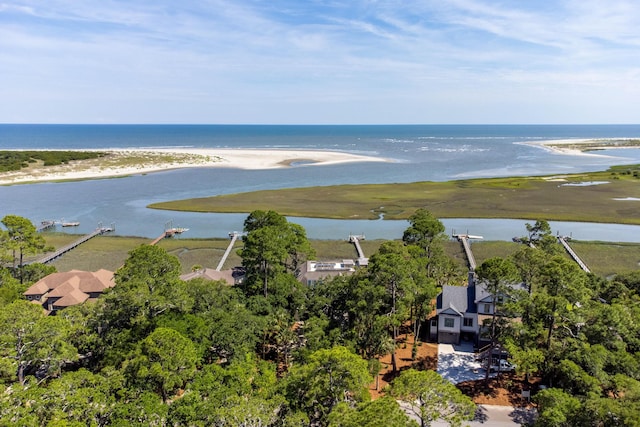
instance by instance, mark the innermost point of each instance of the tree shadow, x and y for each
(504, 390)
(426, 363)
(481, 415)
(523, 416)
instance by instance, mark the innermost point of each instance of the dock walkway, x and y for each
(464, 239)
(576, 258)
(45, 225)
(234, 237)
(168, 233)
(63, 250)
(355, 239)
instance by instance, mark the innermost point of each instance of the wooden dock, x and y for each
(355, 239)
(576, 258)
(45, 225)
(63, 250)
(170, 232)
(234, 237)
(464, 239)
(157, 239)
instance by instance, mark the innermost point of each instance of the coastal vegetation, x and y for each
(14, 160)
(34, 166)
(611, 196)
(156, 350)
(594, 144)
(110, 252)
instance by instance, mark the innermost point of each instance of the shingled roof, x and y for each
(59, 290)
(232, 277)
(453, 300)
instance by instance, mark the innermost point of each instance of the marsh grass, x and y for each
(110, 252)
(483, 250)
(518, 198)
(605, 259)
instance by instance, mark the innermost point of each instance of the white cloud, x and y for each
(357, 61)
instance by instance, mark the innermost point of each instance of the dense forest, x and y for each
(158, 351)
(16, 160)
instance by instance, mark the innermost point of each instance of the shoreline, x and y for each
(583, 147)
(135, 161)
(121, 162)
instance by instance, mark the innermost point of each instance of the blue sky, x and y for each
(320, 61)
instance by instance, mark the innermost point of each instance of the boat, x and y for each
(70, 224)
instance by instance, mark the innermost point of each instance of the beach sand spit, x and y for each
(124, 162)
(585, 147)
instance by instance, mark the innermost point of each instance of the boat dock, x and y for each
(63, 250)
(563, 241)
(169, 231)
(355, 239)
(234, 236)
(45, 225)
(464, 239)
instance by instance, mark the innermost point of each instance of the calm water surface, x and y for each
(417, 153)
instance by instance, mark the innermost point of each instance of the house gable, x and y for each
(60, 290)
(451, 311)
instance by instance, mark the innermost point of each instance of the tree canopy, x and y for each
(156, 350)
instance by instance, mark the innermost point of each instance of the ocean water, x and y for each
(416, 153)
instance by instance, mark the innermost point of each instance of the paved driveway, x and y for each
(457, 363)
(497, 416)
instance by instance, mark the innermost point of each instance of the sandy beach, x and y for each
(584, 147)
(141, 161)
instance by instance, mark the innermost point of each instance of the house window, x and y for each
(468, 321)
(448, 322)
(487, 308)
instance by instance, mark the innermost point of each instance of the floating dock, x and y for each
(169, 231)
(45, 225)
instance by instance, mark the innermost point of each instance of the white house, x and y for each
(313, 272)
(461, 312)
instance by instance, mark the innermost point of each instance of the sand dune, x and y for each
(123, 162)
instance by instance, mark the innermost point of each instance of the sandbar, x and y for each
(136, 161)
(584, 147)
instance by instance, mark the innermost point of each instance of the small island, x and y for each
(586, 146)
(611, 196)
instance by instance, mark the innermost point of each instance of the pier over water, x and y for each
(464, 239)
